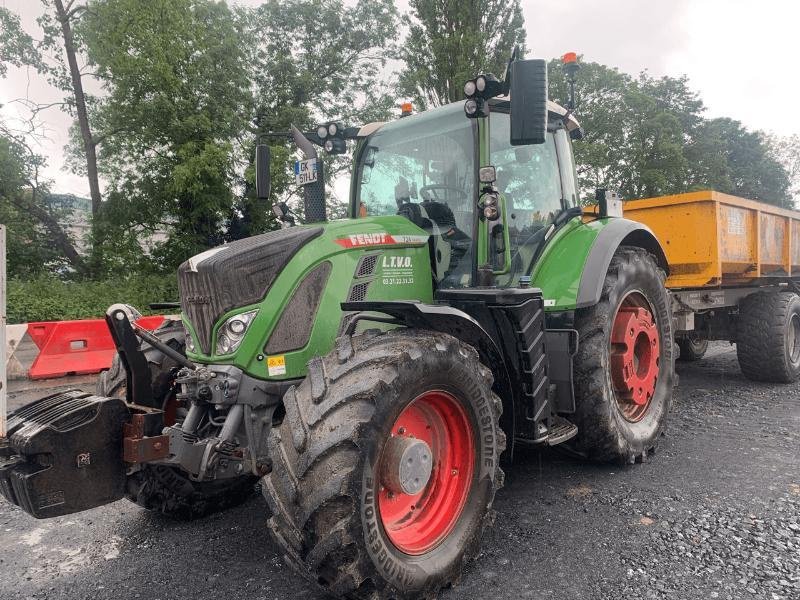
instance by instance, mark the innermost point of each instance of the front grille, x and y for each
(235, 275)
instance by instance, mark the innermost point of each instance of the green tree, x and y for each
(310, 61)
(450, 41)
(647, 137)
(36, 242)
(729, 158)
(176, 95)
(17, 48)
(786, 150)
(59, 22)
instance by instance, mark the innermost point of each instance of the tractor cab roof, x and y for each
(555, 110)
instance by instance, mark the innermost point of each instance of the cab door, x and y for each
(531, 181)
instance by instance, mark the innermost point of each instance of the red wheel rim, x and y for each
(417, 523)
(635, 356)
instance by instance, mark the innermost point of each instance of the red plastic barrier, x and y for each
(75, 347)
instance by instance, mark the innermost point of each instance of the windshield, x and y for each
(423, 167)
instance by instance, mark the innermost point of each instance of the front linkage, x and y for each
(74, 451)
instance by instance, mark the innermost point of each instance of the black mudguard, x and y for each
(618, 232)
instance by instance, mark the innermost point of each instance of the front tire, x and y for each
(338, 513)
(768, 337)
(624, 366)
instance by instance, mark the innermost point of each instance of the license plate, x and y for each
(305, 171)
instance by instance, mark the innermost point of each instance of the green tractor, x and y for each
(374, 372)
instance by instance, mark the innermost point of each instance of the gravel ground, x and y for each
(714, 514)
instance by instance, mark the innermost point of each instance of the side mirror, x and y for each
(263, 182)
(528, 102)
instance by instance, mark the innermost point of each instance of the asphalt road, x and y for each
(714, 514)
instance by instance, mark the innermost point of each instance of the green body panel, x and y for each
(402, 272)
(559, 269)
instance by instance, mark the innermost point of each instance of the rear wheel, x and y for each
(624, 366)
(768, 337)
(159, 488)
(386, 465)
(692, 347)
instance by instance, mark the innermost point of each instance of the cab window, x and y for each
(530, 180)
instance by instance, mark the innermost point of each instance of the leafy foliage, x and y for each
(311, 61)
(46, 298)
(176, 96)
(24, 209)
(452, 41)
(16, 46)
(647, 137)
(787, 151)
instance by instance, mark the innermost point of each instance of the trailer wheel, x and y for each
(768, 337)
(386, 465)
(168, 490)
(693, 347)
(624, 366)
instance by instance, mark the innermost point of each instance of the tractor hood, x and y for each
(235, 275)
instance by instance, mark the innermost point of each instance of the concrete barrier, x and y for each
(58, 348)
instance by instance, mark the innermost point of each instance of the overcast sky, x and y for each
(739, 54)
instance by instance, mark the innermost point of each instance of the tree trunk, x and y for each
(59, 236)
(89, 145)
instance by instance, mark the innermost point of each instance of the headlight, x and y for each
(231, 333)
(189, 340)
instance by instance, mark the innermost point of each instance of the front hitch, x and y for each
(73, 451)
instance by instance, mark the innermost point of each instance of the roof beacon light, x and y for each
(571, 67)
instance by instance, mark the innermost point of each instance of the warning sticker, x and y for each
(276, 365)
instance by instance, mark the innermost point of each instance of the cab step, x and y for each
(559, 432)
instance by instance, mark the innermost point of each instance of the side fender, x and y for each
(455, 322)
(618, 232)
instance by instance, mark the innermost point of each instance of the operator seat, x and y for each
(450, 244)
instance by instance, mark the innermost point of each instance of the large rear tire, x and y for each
(624, 369)
(338, 514)
(168, 490)
(768, 337)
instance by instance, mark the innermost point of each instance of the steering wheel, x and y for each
(429, 193)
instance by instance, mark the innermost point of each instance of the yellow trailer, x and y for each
(713, 239)
(734, 269)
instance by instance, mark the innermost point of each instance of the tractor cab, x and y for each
(432, 168)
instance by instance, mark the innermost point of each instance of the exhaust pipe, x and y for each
(314, 193)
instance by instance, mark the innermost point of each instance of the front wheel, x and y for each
(624, 366)
(386, 465)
